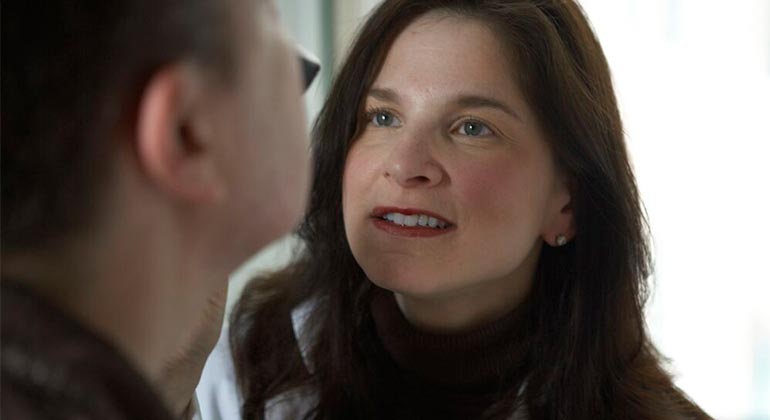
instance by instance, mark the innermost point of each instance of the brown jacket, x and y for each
(53, 368)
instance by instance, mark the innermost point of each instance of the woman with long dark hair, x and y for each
(474, 246)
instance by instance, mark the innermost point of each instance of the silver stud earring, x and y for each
(561, 240)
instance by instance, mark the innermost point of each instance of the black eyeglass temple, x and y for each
(310, 70)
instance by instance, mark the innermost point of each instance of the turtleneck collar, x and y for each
(476, 360)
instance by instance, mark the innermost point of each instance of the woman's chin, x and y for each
(414, 285)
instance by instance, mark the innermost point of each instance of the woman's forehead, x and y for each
(448, 42)
(439, 56)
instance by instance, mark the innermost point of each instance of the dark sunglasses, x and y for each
(309, 66)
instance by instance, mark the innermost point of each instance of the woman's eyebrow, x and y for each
(462, 100)
(387, 95)
(477, 101)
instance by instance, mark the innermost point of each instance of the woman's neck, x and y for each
(471, 307)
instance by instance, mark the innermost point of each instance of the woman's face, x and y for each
(450, 186)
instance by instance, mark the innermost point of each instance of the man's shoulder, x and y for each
(19, 403)
(52, 367)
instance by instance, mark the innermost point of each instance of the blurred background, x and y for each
(693, 82)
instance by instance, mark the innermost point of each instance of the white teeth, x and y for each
(415, 220)
(411, 220)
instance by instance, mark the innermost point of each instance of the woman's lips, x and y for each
(409, 231)
(410, 222)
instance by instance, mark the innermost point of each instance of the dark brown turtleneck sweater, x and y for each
(452, 376)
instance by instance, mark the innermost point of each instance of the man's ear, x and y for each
(560, 227)
(173, 138)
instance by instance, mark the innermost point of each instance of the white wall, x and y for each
(693, 79)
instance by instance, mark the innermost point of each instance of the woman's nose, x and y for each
(412, 164)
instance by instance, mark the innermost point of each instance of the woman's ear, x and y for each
(560, 226)
(172, 141)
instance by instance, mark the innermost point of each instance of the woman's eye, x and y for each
(474, 129)
(384, 119)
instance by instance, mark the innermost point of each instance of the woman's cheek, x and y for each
(357, 180)
(483, 184)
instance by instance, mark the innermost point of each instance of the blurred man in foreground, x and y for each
(148, 148)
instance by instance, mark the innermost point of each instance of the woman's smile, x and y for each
(410, 222)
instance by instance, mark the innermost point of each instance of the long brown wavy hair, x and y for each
(590, 354)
